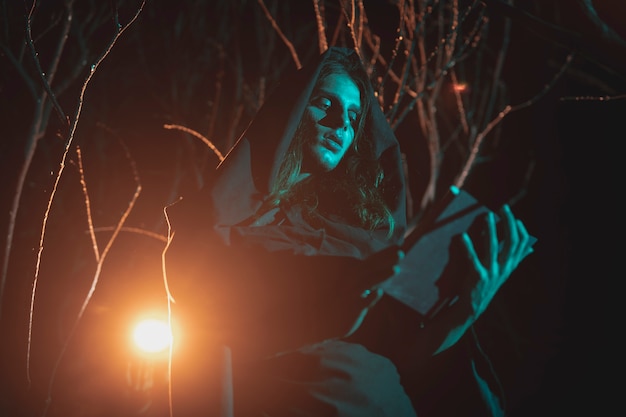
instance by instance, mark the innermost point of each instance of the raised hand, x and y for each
(500, 259)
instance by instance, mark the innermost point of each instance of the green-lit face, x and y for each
(332, 117)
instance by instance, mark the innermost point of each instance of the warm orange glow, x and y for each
(152, 335)
(459, 87)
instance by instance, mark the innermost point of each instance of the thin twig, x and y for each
(477, 144)
(318, 8)
(197, 135)
(170, 300)
(289, 45)
(35, 134)
(135, 230)
(459, 101)
(593, 98)
(83, 183)
(44, 81)
(350, 23)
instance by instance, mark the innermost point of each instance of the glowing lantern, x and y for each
(152, 335)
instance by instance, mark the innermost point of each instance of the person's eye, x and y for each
(322, 102)
(354, 118)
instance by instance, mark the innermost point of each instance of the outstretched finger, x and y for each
(473, 256)
(512, 238)
(525, 246)
(492, 245)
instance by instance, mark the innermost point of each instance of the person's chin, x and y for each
(328, 160)
(325, 159)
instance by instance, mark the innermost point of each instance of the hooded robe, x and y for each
(281, 294)
(287, 277)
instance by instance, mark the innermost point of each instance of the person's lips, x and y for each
(334, 141)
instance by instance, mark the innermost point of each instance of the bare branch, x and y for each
(170, 300)
(289, 45)
(547, 87)
(35, 134)
(199, 136)
(460, 180)
(457, 88)
(594, 98)
(96, 278)
(118, 32)
(135, 230)
(44, 80)
(350, 17)
(476, 147)
(318, 7)
(83, 183)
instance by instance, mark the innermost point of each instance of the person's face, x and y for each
(332, 117)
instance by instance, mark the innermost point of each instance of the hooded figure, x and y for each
(275, 255)
(239, 190)
(271, 257)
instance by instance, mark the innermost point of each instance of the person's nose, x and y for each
(340, 119)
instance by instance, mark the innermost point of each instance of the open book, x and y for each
(431, 269)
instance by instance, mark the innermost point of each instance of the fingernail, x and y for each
(454, 190)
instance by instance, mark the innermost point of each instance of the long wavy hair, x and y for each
(357, 179)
